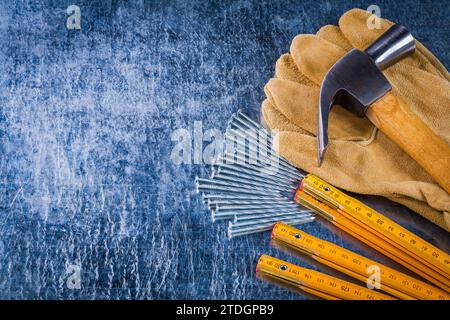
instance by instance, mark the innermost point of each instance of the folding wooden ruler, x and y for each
(370, 227)
(376, 230)
(356, 266)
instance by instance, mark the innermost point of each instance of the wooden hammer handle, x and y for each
(393, 117)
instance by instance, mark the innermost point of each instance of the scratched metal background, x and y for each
(85, 122)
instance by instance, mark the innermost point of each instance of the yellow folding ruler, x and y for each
(376, 230)
(391, 281)
(314, 282)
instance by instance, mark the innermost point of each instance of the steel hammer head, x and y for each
(355, 81)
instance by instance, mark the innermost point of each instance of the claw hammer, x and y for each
(357, 83)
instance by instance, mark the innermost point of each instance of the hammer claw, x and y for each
(356, 82)
(322, 142)
(325, 104)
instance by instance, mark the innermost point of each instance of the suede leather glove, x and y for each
(359, 157)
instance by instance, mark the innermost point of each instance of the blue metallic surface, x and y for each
(86, 117)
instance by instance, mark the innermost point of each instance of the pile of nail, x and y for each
(250, 184)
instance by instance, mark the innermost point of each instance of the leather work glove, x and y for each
(359, 158)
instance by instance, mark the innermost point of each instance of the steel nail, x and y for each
(282, 215)
(235, 232)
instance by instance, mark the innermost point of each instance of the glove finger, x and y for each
(353, 25)
(276, 121)
(351, 166)
(314, 56)
(426, 93)
(285, 68)
(295, 101)
(299, 104)
(440, 68)
(334, 35)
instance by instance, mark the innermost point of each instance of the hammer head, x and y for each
(356, 80)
